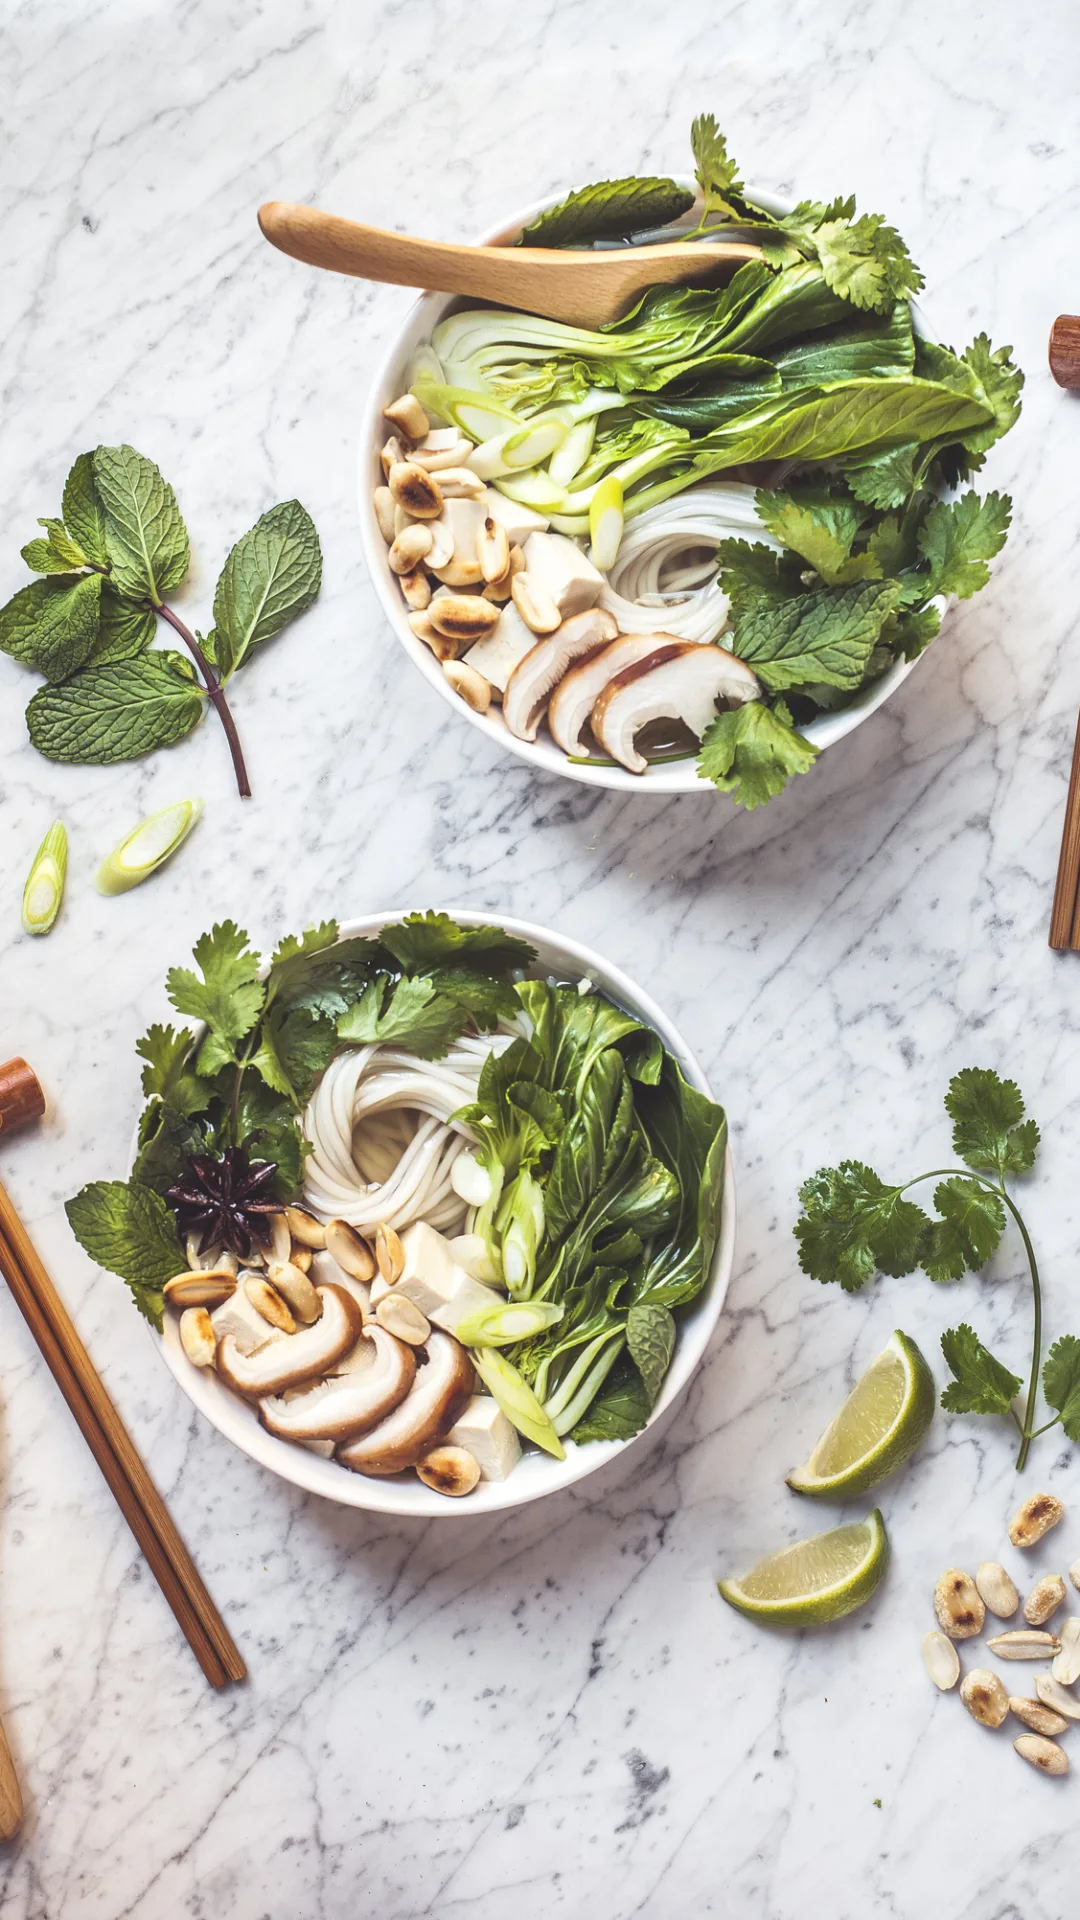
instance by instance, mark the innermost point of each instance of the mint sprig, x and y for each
(854, 1225)
(88, 623)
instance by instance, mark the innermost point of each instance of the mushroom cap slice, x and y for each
(680, 681)
(533, 680)
(578, 691)
(440, 1392)
(303, 1356)
(350, 1403)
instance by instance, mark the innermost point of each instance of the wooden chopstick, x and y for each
(113, 1449)
(1064, 919)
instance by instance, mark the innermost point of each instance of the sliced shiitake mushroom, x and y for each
(533, 680)
(441, 1390)
(680, 681)
(349, 1403)
(306, 1355)
(578, 691)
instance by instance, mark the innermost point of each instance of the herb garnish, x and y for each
(87, 625)
(854, 1225)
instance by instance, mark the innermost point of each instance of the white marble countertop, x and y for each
(550, 1710)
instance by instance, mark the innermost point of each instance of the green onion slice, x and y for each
(507, 1321)
(517, 1399)
(147, 847)
(606, 522)
(44, 889)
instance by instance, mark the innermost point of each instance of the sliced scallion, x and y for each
(517, 1399)
(606, 522)
(507, 1321)
(44, 889)
(147, 847)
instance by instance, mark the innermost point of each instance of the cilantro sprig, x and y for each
(854, 1225)
(88, 623)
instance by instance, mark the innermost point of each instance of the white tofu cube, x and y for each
(325, 1272)
(248, 1328)
(561, 569)
(485, 1432)
(519, 521)
(498, 653)
(467, 1297)
(435, 1283)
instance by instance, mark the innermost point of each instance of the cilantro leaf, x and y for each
(822, 532)
(866, 261)
(127, 1228)
(166, 1076)
(432, 939)
(752, 752)
(825, 636)
(990, 1133)
(1001, 383)
(1061, 1382)
(145, 535)
(411, 1012)
(853, 1226)
(754, 575)
(980, 1383)
(83, 513)
(294, 1048)
(959, 538)
(52, 625)
(715, 170)
(913, 632)
(116, 712)
(271, 576)
(609, 210)
(485, 997)
(229, 997)
(650, 1341)
(971, 1225)
(887, 479)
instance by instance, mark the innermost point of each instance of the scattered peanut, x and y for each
(535, 604)
(385, 512)
(957, 1603)
(941, 1660)
(1046, 1755)
(1066, 1667)
(1074, 1574)
(416, 588)
(461, 483)
(997, 1590)
(411, 545)
(1056, 1697)
(297, 1291)
(266, 1300)
(984, 1697)
(441, 645)
(392, 454)
(1046, 1596)
(1040, 1719)
(350, 1250)
(449, 1470)
(493, 550)
(462, 616)
(1036, 1517)
(389, 1254)
(304, 1227)
(1024, 1643)
(401, 1317)
(301, 1257)
(200, 1288)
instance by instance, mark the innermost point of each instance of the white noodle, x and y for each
(666, 562)
(382, 1145)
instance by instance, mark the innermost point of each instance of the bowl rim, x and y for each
(543, 754)
(237, 1421)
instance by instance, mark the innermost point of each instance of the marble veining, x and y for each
(547, 1710)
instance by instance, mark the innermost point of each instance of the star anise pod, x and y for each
(226, 1201)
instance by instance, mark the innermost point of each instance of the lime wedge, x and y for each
(878, 1427)
(816, 1580)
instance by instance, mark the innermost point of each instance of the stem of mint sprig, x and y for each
(216, 694)
(853, 1226)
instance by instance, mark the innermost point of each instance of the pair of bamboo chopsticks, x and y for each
(1065, 918)
(112, 1447)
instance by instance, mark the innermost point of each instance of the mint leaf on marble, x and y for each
(145, 536)
(116, 712)
(84, 516)
(271, 576)
(127, 1228)
(52, 625)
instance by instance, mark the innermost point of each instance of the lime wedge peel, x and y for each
(876, 1430)
(815, 1581)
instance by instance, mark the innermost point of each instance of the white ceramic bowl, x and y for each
(536, 1474)
(390, 381)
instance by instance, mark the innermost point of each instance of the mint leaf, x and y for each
(166, 1075)
(229, 997)
(753, 576)
(411, 1011)
(145, 535)
(272, 574)
(959, 538)
(1061, 1382)
(715, 170)
(83, 514)
(853, 1226)
(650, 1341)
(752, 752)
(128, 1228)
(52, 625)
(116, 712)
(424, 940)
(980, 1383)
(294, 1047)
(971, 1225)
(126, 629)
(610, 210)
(619, 1411)
(825, 636)
(989, 1129)
(57, 553)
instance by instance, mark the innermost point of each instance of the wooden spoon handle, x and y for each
(347, 246)
(11, 1806)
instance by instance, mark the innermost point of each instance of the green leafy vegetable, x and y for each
(228, 998)
(821, 637)
(145, 537)
(116, 712)
(959, 538)
(852, 1226)
(716, 173)
(610, 210)
(52, 625)
(271, 576)
(650, 1342)
(752, 752)
(127, 1228)
(619, 1411)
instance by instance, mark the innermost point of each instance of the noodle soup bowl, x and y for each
(543, 754)
(536, 1474)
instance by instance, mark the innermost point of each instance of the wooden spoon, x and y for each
(584, 289)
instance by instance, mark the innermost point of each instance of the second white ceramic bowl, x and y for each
(390, 381)
(537, 1474)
